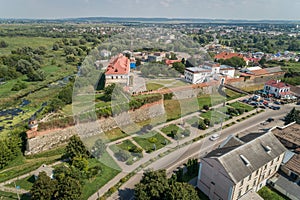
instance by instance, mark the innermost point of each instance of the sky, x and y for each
(204, 9)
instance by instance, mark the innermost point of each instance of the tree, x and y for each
(18, 86)
(3, 44)
(80, 163)
(98, 149)
(201, 125)
(152, 186)
(55, 47)
(155, 185)
(179, 66)
(76, 148)
(234, 62)
(43, 188)
(292, 116)
(5, 154)
(68, 189)
(122, 155)
(66, 94)
(181, 191)
(36, 75)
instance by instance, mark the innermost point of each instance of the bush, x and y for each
(205, 107)
(152, 140)
(18, 86)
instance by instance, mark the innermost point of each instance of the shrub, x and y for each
(205, 107)
(152, 140)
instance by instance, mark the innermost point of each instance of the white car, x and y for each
(214, 137)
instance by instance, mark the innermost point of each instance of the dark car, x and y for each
(277, 102)
(270, 120)
(263, 107)
(276, 108)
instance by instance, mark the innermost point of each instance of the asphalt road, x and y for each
(200, 148)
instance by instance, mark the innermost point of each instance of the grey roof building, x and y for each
(240, 166)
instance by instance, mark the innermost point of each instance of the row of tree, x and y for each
(10, 149)
(155, 185)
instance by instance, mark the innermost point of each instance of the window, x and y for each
(256, 172)
(278, 158)
(269, 172)
(254, 183)
(247, 188)
(242, 182)
(249, 177)
(266, 166)
(276, 90)
(240, 193)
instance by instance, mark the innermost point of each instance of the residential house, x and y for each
(153, 58)
(44, 168)
(118, 70)
(240, 167)
(277, 89)
(105, 53)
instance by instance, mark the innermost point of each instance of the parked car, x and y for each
(276, 108)
(277, 102)
(214, 137)
(267, 99)
(269, 120)
(263, 107)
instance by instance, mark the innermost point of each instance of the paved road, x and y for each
(200, 148)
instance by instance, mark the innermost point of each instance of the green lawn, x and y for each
(25, 183)
(232, 95)
(145, 141)
(153, 86)
(192, 120)
(127, 145)
(173, 131)
(268, 194)
(214, 116)
(12, 196)
(241, 105)
(109, 170)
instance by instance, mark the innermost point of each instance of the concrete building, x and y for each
(153, 58)
(203, 73)
(277, 88)
(240, 167)
(118, 70)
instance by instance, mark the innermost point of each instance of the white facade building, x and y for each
(203, 73)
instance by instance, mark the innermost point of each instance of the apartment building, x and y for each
(240, 167)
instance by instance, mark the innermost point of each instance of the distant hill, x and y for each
(146, 20)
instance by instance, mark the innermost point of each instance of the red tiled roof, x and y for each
(259, 72)
(170, 62)
(118, 65)
(276, 84)
(226, 55)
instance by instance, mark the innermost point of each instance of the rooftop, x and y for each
(277, 84)
(118, 65)
(289, 133)
(241, 159)
(294, 164)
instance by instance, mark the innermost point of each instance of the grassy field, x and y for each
(153, 86)
(108, 172)
(232, 95)
(33, 42)
(25, 183)
(241, 105)
(145, 141)
(12, 196)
